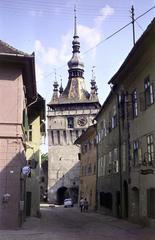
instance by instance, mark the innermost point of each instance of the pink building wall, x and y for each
(12, 156)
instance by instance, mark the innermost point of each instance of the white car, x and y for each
(68, 202)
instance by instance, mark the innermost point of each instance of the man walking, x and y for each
(81, 204)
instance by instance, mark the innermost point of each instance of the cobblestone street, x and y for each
(69, 224)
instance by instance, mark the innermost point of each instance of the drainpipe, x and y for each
(119, 150)
(96, 207)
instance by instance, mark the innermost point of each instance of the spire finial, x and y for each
(93, 73)
(55, 73)
(75, 24)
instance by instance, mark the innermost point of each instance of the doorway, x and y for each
(125, 188)
(28, 204)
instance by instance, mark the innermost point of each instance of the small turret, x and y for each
(55, 89)
(61, 88)
(93, 93)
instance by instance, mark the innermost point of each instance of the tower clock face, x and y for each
(82, 121)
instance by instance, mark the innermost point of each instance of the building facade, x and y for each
(17, 90)
(126, 176)
(35, 133)
(70, 112)
(109, 179)
(88, 157)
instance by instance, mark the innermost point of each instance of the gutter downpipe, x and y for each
(96, 200)
(119, 152)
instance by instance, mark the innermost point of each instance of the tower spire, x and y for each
(76, 66)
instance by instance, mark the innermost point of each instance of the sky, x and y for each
(46, 27)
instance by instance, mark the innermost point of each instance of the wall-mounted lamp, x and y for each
(6, 198)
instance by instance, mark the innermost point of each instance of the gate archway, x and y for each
(61, 195)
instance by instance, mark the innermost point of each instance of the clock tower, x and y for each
(70, 112)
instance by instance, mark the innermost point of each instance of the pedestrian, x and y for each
(85, 205)
(81, 204)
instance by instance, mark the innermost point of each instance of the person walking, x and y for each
(85, 205)
(81, 204)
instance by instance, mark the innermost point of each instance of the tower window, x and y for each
(65, 136)
(52, 137)
(58, 136)
(70, 122)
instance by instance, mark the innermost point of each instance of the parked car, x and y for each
(68, 202)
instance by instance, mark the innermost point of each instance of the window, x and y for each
(52, 137)
(29, 134)
(134, 104)
(99, 137)
(65, 136)
(101, 129)
(104, 165)
(150, 148)
(110, 123)
(114, 118)
(85, 146)
(110, 163)
(83, 131)
(115, 162)
(58, 136)
(122, 105)
(148, 88)
(101, 166)
(89, 169)
(104, 127)
(70, 122)
(135, 152)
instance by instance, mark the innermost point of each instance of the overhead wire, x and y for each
(139, 26)
(49, 6)
(113, 34)
(17, 5)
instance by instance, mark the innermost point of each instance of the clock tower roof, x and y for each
(75, 91)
